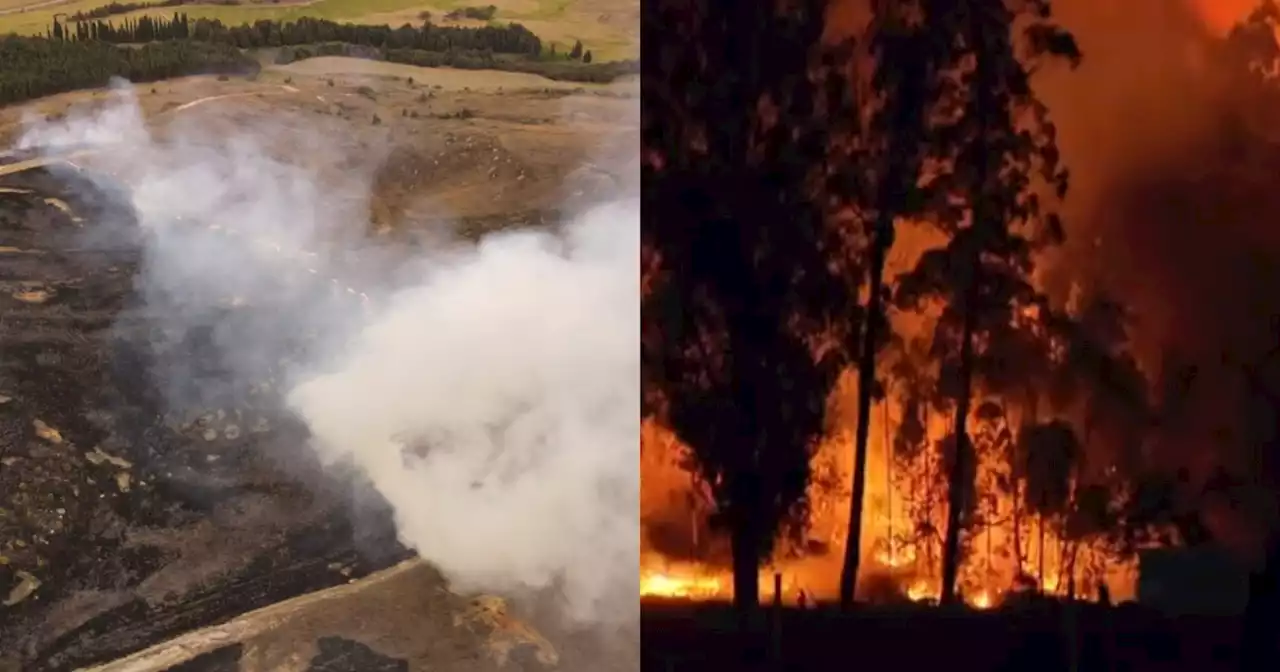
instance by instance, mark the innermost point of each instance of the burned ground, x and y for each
(125, 520)
(120, 522)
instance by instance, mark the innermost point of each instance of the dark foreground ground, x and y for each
(684, 637)
(125, 521)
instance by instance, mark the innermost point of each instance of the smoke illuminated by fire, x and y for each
(904, 513)
(1129, 109)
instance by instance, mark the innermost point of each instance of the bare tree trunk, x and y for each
(888, 475)
(978, 151)
(988, 525)
(1040, 531)
(746, 535)
(866, 386)
(956, 487)
(745, 542)
(1018, 556)
(1070, 567)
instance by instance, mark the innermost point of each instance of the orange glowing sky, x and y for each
(1219, 15)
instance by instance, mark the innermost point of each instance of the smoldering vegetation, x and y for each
(487, 392)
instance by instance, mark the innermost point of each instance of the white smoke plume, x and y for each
(489, 393)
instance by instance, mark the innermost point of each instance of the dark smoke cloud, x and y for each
(1156, 219)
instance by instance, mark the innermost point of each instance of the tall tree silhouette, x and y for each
(894, 150)
(751, 290)
(996, 139)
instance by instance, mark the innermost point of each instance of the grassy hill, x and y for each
(608, 27)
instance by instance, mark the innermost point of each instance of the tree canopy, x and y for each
(749, 294)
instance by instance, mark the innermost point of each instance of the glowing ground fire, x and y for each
(659, 584)
(901, 548)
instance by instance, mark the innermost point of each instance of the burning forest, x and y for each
(1108, 391)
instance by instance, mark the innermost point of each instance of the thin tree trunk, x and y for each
(745, 538)
(988, 522)
(1071, 570)
(956, 487)
(888, 476)
(982, 172)
(1017, 528)
(866, 384)
(1040, 531)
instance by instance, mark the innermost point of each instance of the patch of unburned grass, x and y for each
(558, 22)
(36, 21)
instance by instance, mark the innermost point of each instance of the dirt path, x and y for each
(45, 4)
(208, 99)
(386, 613)
(449, 79)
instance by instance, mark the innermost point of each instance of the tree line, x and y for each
(511, 47)
(86, 54)
(115, 8)
(485, 13)
(509, 39)
(37, 67)
(773, 197)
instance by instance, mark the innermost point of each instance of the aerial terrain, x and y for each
(609, 26)
(125, 521)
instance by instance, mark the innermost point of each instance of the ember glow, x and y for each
(1010, 548)
(681, 584)
(904, 513)
(903, 519)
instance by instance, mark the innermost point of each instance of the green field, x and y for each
(608, 27)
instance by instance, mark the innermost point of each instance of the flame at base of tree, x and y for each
(1008, 549)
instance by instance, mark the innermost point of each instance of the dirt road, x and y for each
(380, 623)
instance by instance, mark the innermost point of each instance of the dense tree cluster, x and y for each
(116, 8)
(509, 39)
(35, 67)
(485, 13)
(85, 54)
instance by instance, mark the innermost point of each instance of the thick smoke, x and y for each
(1139, 123)
(1145, 128)
(490, 393)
